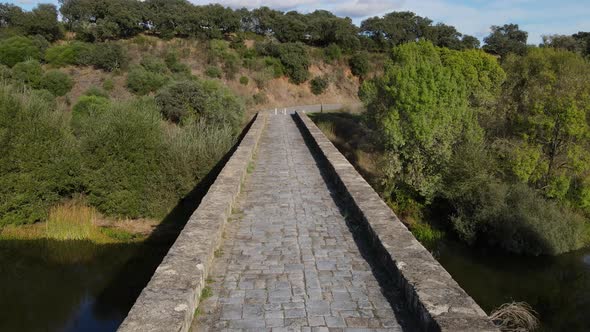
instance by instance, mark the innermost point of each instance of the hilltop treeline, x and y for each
(113, 19)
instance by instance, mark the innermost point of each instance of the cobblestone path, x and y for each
(289, 261)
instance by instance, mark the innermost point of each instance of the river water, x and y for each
(71, 285)
(558, 288)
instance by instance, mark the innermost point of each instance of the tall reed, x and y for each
(72, 220)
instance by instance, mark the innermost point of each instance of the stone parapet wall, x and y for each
(169, 300)
(431, 294)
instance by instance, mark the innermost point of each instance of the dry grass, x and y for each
(70, 221)
(515, 317)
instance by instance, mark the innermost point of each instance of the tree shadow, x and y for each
(122, 292)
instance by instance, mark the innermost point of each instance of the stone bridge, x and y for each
(291, 238)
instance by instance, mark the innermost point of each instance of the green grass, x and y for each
(206, 293)
(70, 221)
(426, 234)
(118, 234)
(251, 167)
(218, 253)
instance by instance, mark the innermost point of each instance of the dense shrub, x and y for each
(213, 72)
(333, 53)
(121, 159)
(205, 101)
(39, 161)
(513, 217)
(154, 65)
(359, 64)
(57, 82)
(244, 80)
(18, 49)
(175, 66)
(29, 72)
(106, 56)
(293, 57)
(275, 66)
(89, 104)
(319, 85)
(74, 53)
(142, 81)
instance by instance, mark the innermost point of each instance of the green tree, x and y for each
(506, 39)
(395, 28)
(319, 85)
(546, 101)
(568, 43)
(100, 20)
(359, 64)
(206, 101)
(420, 108)
(469, 42)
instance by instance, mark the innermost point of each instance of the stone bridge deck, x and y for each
(289, 259)
(291, 238)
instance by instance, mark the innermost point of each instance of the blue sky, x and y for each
(474, 17)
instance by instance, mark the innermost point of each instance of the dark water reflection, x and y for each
(556, 287)
(71, 285)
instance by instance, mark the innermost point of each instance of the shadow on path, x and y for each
(360, 233)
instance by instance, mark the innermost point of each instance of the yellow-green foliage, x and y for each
(426, 234)
(420, 107)
(547, 101)
(70, 221)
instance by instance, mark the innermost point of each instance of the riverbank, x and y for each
(557, 287)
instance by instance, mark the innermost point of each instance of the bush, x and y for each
(154, 65)
(29, 72)
(39, 159)
(121, 160)
(96, 91)
(276, 66)
(73, 53)
(333, 53)
(293, 57)
(205, 101)
(175, 65)
(18, 49)
(142, 82)
(231, 66)
(213, 72)
(511, 216)
(359, 64)
(108, 84)
(57, 82)
(318, 85)
(90, 104)
(260, 98)
(106, 56)
(244, 80)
